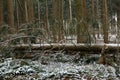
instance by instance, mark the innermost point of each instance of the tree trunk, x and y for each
(1, 12)
(60, 20)
(24, 12)
(70, 10)
(105, 26)
(31, 10)
(39, 11)
(94, 48)
(10, 11)
(97, 17)
(17, 15)
(53, 21)
(93, 18)
(118, 18)
(81, 18)
(105, 20)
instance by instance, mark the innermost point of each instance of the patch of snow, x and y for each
(57, 69)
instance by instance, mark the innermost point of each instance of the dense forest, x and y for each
(58, 20)
(59, 39)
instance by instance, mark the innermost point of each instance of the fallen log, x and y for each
(70, 47)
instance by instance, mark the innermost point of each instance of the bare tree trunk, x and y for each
(1, 12)
(105, 20)
(24, 18)
(53, 21)
(93, 18)
(47, 21)
(81, 18)
(17, 15)
(60, 20)
(10, 11)
(105, 25)
(31, 10)
(118, 18)
(70, 10)
(46, 13)
(97, 17)
(24, 12)
(39, 11)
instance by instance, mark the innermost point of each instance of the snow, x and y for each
(57, 69)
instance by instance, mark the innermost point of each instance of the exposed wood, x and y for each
(72, 47)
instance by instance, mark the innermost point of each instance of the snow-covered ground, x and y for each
(57, 67)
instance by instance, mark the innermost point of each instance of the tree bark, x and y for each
(93, 48)
(81, 14)
(53, 21)
(60, 20)
(105, 20)
(97, 17)
(70, 10)
(31, 10)
(1, 12)
(10, 11)
(24, 12)
(39, 18)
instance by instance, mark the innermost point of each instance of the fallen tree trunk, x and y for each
(70, 47)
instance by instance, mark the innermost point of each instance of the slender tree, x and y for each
(31, 10)
(39, 10)
(60, 19)
(70, 10)
(93, 17)
(118, 15)
(105, 25)
(47, 28)
(81, 18)
(97, 17)
(1, 12)
(10, 11)
(53, 20)
(105, 20)
(17, 22)
(24, 12)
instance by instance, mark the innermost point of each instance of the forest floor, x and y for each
(59, 66)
